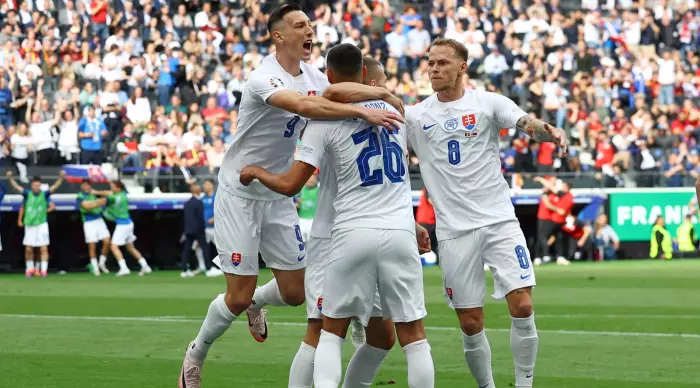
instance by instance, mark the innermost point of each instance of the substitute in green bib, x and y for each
(33, 217)
(686, 238)
(306, 206)
(661, 244)
(118, 210)
(94, 226)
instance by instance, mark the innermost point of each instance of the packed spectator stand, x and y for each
(152, 86)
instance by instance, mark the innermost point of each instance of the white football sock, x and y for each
(421, 371)
(269, 294)
(122, 265)
(477, 352)
(364, 366)
(301, 374)
(143, 263)
(218, 320)
(327, 363)
(30, 264)
(200, 258)
(93, 263)
(103, 259)
(523, 344)
(44, 266)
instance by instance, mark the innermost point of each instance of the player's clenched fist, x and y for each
(423, 239)
(248, 175)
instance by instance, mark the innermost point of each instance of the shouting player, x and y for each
(32, 216)
(94, 226)
(455, 135)
(279, 95)
(373, 234)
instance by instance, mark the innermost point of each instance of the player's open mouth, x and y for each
(307, 47)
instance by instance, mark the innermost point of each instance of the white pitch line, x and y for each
(300, 324)
(618, 316)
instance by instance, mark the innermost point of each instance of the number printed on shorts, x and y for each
(521, 254)
(290, 126)
(394, 167)
(297, 230)
(453, 155)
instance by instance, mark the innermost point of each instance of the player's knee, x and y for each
(471, 321)
(521, 308)
(293, 296)
(381, 334)
(237, 302)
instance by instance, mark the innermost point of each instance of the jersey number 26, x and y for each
(391, 153)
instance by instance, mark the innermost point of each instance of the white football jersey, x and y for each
(267, 136)
(327, 191)
(370, 168)
(457, 145)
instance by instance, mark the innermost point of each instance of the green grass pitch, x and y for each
(609, 325)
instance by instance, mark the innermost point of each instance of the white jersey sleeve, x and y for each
(313, 144)
(262, 85)
(505, 112)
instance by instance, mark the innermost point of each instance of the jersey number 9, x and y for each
(391, 152)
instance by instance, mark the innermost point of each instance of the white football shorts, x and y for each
(245, 227)
(95, 230)
(36, 236)
(319, 255)
(123, 234)
(502, 247)
(364, 259)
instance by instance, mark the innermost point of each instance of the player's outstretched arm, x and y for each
(288, 183)
(345, 92)
(14, 183)
(58, 183)
(540, 131)
(314, 107)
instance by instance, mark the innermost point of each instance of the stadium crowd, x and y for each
(154, 84)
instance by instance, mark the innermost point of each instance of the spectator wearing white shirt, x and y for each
(418, 42)
(397, 43)
(116, 40)
(215, 154)
(21, 145)
(494, 65)
(201, 19)
(667, 78)
(43, 135)
(138, 108)
(68, 145)
(150, 140)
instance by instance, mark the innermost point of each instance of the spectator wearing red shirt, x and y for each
(605, 152)
(98, 19)
(425, 216)
(545, 226)
(545, 157)
(214, 113)
(619, 122)
(562, 204)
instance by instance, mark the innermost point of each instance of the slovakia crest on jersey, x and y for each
(469, 123)
(449, 292)
(311, 93)
(276, 82)
(319, 304)
(236, 259)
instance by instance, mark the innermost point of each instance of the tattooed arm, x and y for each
(540, 131)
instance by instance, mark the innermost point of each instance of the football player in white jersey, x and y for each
(279, 95)
(455, 135)
(373, 234)
(369, 356)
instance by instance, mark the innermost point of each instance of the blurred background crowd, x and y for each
(152, 86)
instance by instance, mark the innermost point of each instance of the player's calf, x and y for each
(523, 336)
(421, 371)
(291, 286)
(365, 363)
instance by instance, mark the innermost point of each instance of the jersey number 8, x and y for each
(453, 154)
(391, 153)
